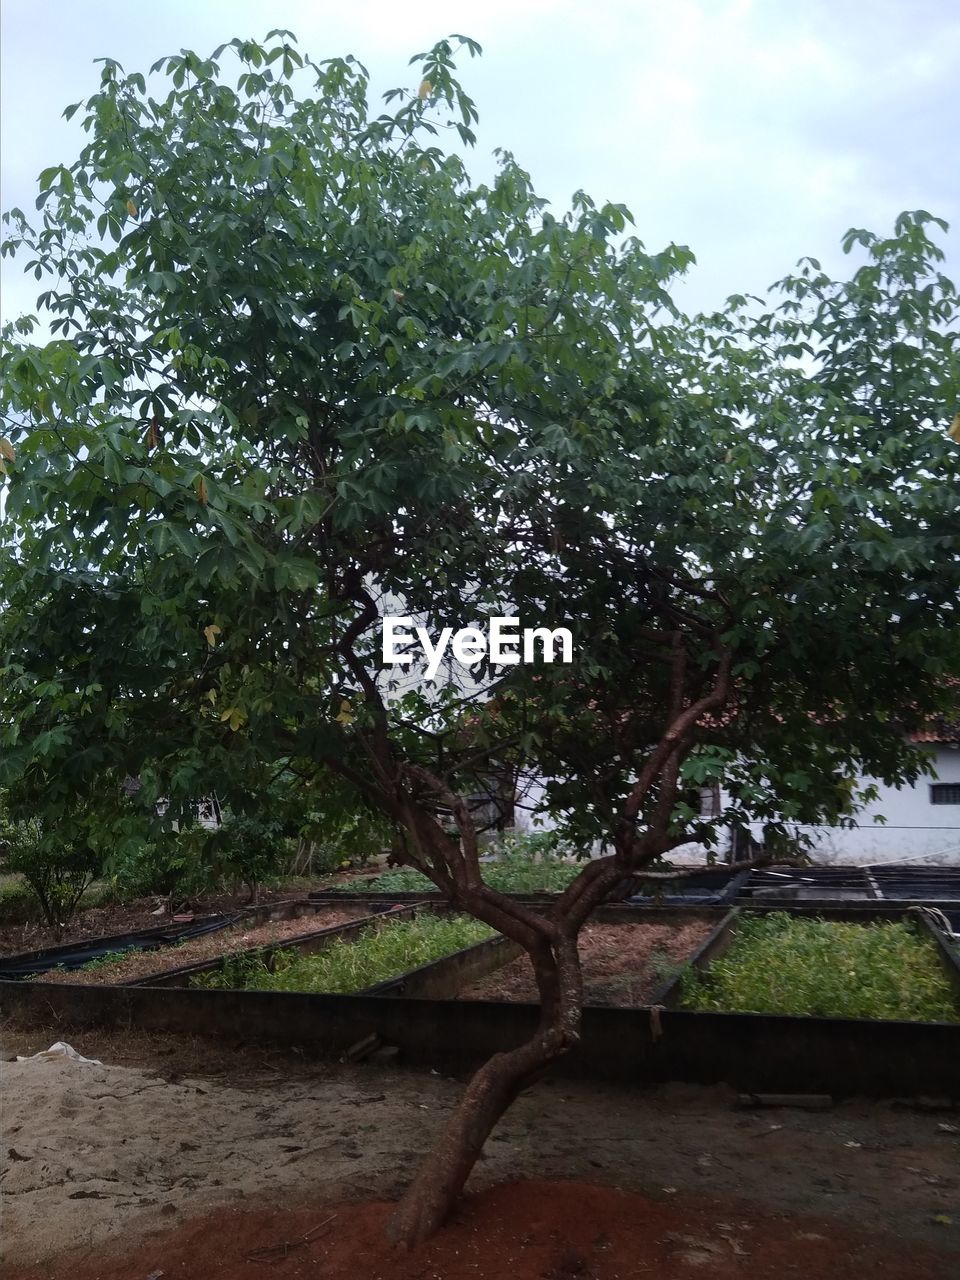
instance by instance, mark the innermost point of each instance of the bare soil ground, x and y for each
(186, 1158)
(623, 964)
(142, 964)
(536, 1230)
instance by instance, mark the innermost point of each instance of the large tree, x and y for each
(304, 371)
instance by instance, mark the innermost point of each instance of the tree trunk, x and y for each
(492, 1090)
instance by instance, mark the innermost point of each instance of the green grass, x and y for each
(783, 964)
(511, 874)
(106, 960)
(377, 953)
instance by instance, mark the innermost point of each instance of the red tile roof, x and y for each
(939, 731)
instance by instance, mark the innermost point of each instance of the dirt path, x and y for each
(92, 1154)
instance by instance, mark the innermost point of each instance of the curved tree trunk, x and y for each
(491, 1091)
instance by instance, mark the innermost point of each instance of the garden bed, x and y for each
(623, 964)
(109, 918)
(417, 1014)
(139, 966)
(783, 964)
(379, 952)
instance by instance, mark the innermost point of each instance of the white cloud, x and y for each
(755, 132)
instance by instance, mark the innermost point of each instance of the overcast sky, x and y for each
(753, 131)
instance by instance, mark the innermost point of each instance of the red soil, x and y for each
(533, 1230)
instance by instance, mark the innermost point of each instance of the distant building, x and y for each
(922, 822)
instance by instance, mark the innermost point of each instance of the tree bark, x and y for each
(493, 1089)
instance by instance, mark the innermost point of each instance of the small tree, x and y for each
(59, 866)
(316, 372)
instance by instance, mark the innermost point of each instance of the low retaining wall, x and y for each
(751, 1052)
(754, 1053)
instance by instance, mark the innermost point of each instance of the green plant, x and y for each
(103, 962)
(514, 873)
(301, 364)
(170, 865)
(246, 848)
(336, 828)
(59, 866)
(402, 880)
(18, 902)
(533, 844)
(378, 953)
(783, 964)
(662, 965)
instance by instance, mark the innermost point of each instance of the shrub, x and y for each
(170, 866)
(18, 903)
(195, 861)
(59, 868)
(246, 849)
(528, 863)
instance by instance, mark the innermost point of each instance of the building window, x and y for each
(945, 793)
(710, 801)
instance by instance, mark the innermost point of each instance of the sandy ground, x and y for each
(168, 1129)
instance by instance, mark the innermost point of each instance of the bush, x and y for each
(335, 832)
(527, 863)
(197, 860)
(18, 903)
(58, 868)
(168, 866)
(247, 849)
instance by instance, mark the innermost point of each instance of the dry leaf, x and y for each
(425, 90)
(953, 431)
(201, 490)
(7, 450)
(132, 209)
(234, 716)
(211, 633)
(346, 715)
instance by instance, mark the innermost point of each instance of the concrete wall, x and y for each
(915, 830)
(752, 1052)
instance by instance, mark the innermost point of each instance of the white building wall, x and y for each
(915, 829)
